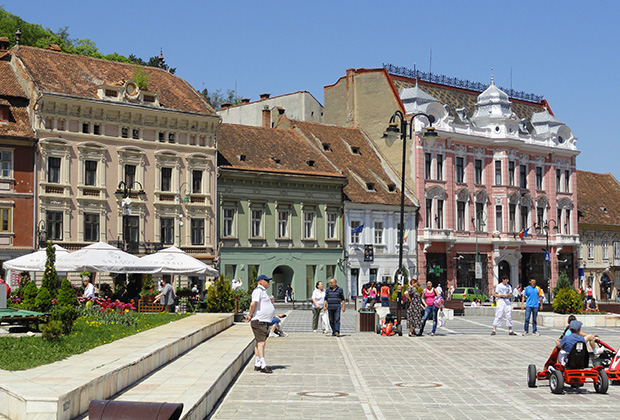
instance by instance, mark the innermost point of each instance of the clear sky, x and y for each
(565, 50)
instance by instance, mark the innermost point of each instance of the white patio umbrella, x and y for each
(175, 261)
(35, 261)
(102, 257)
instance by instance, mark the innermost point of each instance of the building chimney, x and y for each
(245, 100)
(264, 96)
(266, 117)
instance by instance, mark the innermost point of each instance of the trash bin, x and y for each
(133, 410)
(367, 320)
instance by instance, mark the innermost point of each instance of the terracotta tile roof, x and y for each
(351, 152)
(12, 95)
(9, 86)
(598, 198)
(79, 76)
(250, 148)
(462, 98)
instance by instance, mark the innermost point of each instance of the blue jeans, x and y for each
(334, 319)
(385, 302)
(430, 310)
(531, 310)
(364, 302)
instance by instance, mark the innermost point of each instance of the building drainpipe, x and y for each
(35, 189)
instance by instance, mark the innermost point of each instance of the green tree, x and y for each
(567, 301)
(30, 294)
(50, 277)
(563, 283)
(66, 295)
(252, 283)
(220, 297)
(217, 98)
(43, 301)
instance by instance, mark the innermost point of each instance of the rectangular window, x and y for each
(135, 134)
(460, 215)
(283, 224)
(5, 222)
(332, 219)
(567, 222)
(616, 251)
(525, 217)
(167, 230)
(90, 172)
(228, 219)
(480, 217)
(308, 225)
(512, 218)
(499, 220)
(355, 236)
(523, 176)
(559, 224)
(558, 180)
(478, 171)
(460, 169)
(539, 178)
(540, 216)
(257, 222)
(590, 250)
(427, 165)
(6, 161)
(439, 173)
(124, 132)
(378, 233)
(197, 182)
(96, 129)
(498, 172)
(428, 215)
(54, 225)
(439, 217)
(91, 227)
(85, 128)
(166, 179)
(130, 175)
(198, 231)
(53, 170)
(132, 230)
(511, 173)
(605, 247)
(566, 181)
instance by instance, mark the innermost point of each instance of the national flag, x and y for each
(358, 229)
(406, 236)
(523, 233)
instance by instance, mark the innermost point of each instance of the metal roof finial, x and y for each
(18, 34)
(492, 79)
(161, 58)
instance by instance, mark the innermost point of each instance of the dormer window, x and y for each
(4, 113)
(242, 158)
(391, 188)
(276, 160)
(310, 163)
(326, 147)
(111, 93)
(370, 186)
(355, 150)
(149, 98)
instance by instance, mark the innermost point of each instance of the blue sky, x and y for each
(564, 50)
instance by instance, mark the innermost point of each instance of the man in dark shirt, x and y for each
(334, 301)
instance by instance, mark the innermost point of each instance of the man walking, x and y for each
(532, 298)
(166, 296)
(261, 314)
(334, 302)
(503, 295)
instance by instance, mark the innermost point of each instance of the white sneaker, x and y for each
(524, 334)
(536, 334)
(273, 335)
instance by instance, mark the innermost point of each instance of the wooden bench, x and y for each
(456, 306)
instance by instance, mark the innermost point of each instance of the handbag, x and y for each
(441, 319)
(325, 321)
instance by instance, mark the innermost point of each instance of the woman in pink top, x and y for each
(429, 307)
(372, 295)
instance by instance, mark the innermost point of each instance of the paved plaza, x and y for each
(463, 372)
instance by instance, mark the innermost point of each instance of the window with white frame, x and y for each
(567, 181)
(428, 159)
(332, 220)
(129, 175)
(53, 169)
(90, 172)
(439, 174)
(167, 230)
(512, 217)
(228, 222)
(498, 172)
(478, 171)
(590, 250)
(558, 180)
(460, 169)
(616, 250)
(605, 248)
(355, 236)
(540, 216)
(499, 219)
(439, 215)
(91, 227)
(523, 176)
(378, 233)
(460, 215)
(6, 164)
(198, 231)
(54, 225)
(166, 179)
(308, 224)
(559, 220)
(428, 214)
(539, 178)
(197, 181)
(511, 173)
(567, 221)
(480, 216)
(283, 216)
(6, 219)
(257, 223)
(525, 217)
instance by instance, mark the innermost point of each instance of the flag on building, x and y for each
(358, 229)
(406, 236)
(523, 233)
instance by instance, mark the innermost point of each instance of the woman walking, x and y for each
(372, 295)
(429, 307)
(318, 300)
(414, 311)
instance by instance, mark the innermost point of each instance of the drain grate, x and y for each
(418, 385)
(322, 394)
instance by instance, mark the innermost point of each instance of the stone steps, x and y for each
(199, 377)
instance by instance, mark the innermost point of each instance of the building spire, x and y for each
(18, 35)
(492, 79)
(161, 58)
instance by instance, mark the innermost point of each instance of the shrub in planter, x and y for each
(67, 315)
(43, 301)
(66, 294)
(52, 330)
(220, 297)
(567, 301)
(50, 277)
(30, 294)
(245, 298)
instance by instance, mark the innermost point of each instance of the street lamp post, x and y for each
(479, 221)
(405, 128)
(547, 263)
(182, 188)
(123, 191)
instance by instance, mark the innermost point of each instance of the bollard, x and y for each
(133, 410)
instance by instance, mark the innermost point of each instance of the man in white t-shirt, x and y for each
(503, 295)
(261, 314)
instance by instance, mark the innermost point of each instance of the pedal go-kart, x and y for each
(389, 326)
(610, 360)
(576, 373)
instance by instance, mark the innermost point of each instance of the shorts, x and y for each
(260, 330)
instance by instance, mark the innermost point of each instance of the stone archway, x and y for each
(282, 277)
(504, 270)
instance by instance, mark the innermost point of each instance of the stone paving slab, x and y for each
(461, 373)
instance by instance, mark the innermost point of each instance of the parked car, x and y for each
(468, 294)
